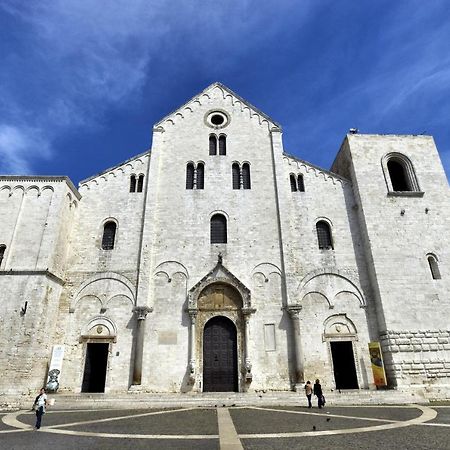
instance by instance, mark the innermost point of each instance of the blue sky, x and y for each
(82, 82)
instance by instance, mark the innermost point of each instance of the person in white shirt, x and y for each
(40, 403)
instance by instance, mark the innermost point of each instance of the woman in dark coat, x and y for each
(318, 393)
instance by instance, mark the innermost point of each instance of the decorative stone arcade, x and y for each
(219, 294)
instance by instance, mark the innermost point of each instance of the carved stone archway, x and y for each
(219, 293)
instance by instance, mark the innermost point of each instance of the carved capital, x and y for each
(142, 311)
(294, 311)
(247, 312)
(193, 314)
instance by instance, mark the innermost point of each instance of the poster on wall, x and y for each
(54, 371)
(376, 359)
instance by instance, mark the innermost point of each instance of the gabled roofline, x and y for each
(114, 167)
(329, 172)
(222, 86)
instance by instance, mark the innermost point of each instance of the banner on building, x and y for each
(54, 371)
(376, 359)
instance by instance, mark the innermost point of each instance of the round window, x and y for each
(217, 119)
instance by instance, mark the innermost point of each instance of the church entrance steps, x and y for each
(141, 400)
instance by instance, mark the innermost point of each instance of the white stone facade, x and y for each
(291, 304)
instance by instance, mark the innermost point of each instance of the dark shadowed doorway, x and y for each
(95, 368)
(220, 356)
(344, 365)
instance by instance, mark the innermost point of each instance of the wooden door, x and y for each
(220, 356)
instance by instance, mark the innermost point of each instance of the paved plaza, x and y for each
(232, 428)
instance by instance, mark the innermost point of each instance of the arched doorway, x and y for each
(220, 362)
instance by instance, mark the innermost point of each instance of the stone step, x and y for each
(138, 400)
(147, 400)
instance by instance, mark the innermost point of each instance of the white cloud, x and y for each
(18, 148)
(77, 58)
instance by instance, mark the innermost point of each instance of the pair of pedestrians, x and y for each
(317, 391)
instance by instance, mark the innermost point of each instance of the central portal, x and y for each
(220, 356)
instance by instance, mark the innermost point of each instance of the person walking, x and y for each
(39, 404)
(308, 392)
(319, 394)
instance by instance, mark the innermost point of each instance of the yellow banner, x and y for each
(376, 358)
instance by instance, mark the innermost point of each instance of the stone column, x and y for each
(248, 364)
(193, 316)
(294, 312)
(141, 314)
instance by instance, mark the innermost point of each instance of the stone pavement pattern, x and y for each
(345, 427)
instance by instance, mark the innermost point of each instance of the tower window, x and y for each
(133, 183)
(195, 176)
(293, 182)
(246, 176)
(212, 144)
(434, 267)
(109, 235)
(399, 174)
(200, 176)
(236, 175)
(222, 144)
(140, 183)
(218, 229)
(300, 183)
(190, 176)
(324, 235)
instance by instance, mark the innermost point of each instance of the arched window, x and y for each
(293, 182)
(324, 235)
(222, 145)
(140, 183)
(200, 176)
(133, 183)
(398, 176)
(2, 253)
(218, 229)
(190, 176)
(109, 235)
(434, 267)
(212, 144)
(236, 175)
(300, 183)
(246, 176)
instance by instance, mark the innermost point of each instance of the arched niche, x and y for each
(100, 327)
(339, 326)
(219, 296)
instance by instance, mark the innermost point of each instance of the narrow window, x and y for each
(212, 144)
(246, 176)
(190, 176)
(324, 235)
(222, 145)
(398, 175)
(2, 253)
(133, 183)
(434, 268)
(140, 184)
(236, 175)
(293, 182)
(300, 183)
(109, 235)
(200, 176)
(218, 229)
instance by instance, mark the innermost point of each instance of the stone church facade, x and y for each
(217, 262)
